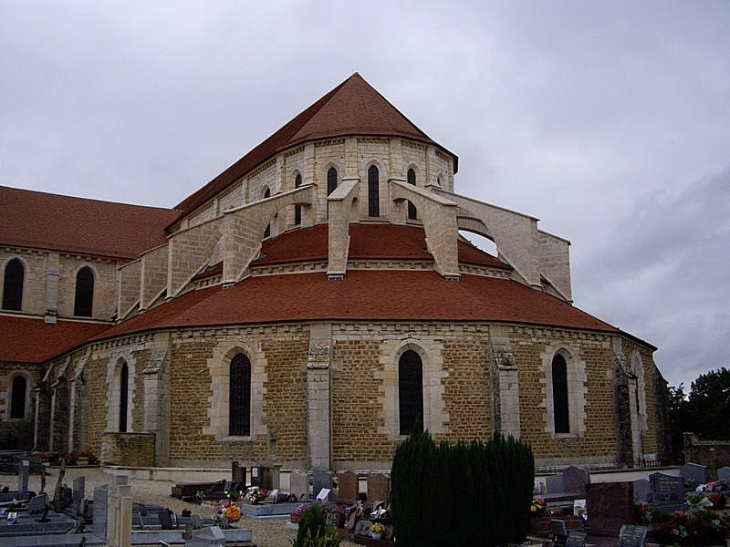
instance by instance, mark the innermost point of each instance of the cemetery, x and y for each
(663, 509)
(672, 506)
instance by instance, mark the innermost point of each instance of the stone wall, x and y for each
(595, 441)
(128, 449)
(129, 286)
(50, 281)
(17, 433)
(358, 363)
(713, 454)
(105, 281)
(35, 263)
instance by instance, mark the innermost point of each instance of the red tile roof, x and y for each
(31, 340)
(367, 241)
(352, 108)
(361, 296)
(63, 223)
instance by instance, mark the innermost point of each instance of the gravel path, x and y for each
(266, 533)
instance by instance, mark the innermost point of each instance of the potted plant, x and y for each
(377, 530)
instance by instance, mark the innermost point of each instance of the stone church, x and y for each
(309, 307)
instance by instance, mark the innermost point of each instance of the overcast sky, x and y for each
(609, 121)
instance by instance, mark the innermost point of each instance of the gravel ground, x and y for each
(266, 533)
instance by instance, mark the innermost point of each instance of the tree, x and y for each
(679, 420)
(704, 412)
(709, 405)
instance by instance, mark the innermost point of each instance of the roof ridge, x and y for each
(223, 179)
(79, 198)
(321, 120)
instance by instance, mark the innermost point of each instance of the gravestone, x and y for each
(262, 477)
(666, 487)
(101, 495)
(575, 480)
(325, 495)
(610, 505)
(23, 472)
(320, 480)
(723, 474)
(362, 528)
(37, 504)
(238, 472)
(79, 489)
(575, 539)
(165, 520)
(299, 484)
(632, 536)
(212, 536)
(579, 508)
(695, 473)
(348, 485)
(554, 484)
(558, 532)
(379, 488)
(641, 491)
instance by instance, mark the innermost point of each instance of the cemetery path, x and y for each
(266, 533)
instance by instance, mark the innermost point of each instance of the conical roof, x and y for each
(352, 108)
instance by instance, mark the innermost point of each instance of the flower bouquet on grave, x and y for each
(228, 513)
(698, 502)
(538, 508)
(718, 500)
(255, 495)
(296, 515)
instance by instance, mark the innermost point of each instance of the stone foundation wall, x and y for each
(713, 454)
(128, 449)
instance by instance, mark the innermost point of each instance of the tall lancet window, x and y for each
(84, 302)
(331, 180)
(410, 392)
(560, 395)
(13, 285)
(373, 192)
(412, 211)
(18, 396)
(298, 208)
(123, 397)
(239, 396)
(267, 232)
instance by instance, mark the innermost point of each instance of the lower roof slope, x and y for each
(63, 223)
(363, 295)
(377, 241)
(31, 340)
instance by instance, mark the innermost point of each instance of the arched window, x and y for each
(331, 180)
(267, 232)
(373, 192)
(298, 208)
(410, 392)
(84, 302)
(239, 396)
(412, 212)
(13, 285)
(123, 397)
(17, 398)
(560, 395)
